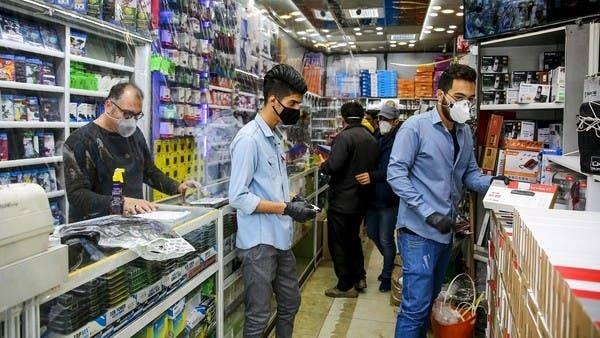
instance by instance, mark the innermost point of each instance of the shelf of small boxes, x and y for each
(538, 286)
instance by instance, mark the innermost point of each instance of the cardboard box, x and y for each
(519, 194)
(555, 138)
(558, 76)
(547, 168)
(530, 93)
(501, 163)
(494, 131)
(557, 93)
(522, 165)
(551, 60)
(519, 130)
(490, 155)
(591, 89)
(512, 96)
(495, 81)
(543, 77)
(518, 77)
(543, 135)
(494, 64)
(488, 97)
(499, 97)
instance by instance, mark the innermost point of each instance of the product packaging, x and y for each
(512, 96)
(20, 68)
(49, 148)
(555, 138)
(64, 3)
(494, 131)
(48, 76)
(529, 77)
(7, 112)
(490, 157)
(50, 38)
(558, 76)
(543, 77)
(494, 64)
(547, 168)
(126, 12)
(543, 135)
(4, 155)
(49, 109)
(558, 93)
(80, 6)
(551, 60)
(522, 160)
(488, 97)
(4, 176)
(587, 138)
(31, 34)
(500, 164)
(10, 28)
(28, 145)
(78, 43)
(518, 194)
(495, 81)
(33, 108)
(591, 89)
(7, 67)
(519, 130)
(20, 107)
(499, 97)
(530, 93)
(33, 70)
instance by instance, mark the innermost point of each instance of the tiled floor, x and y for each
(369, 315)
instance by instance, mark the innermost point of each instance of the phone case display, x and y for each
(178, 158)
(312, 72)
(326, 120)
(225, 25)
(258, 43)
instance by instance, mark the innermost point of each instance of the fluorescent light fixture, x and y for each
(300, 19)
(429, 27)
(296, 13)
(450, 31)
(328, 35)
(434, 14)
(303, 38)
(379, 28)
(325, 30)
(351, 42)
(356, 29)
(365, 13)
(393, 46)
(323, 15)
(411, 45)
(392, 41)
(448, 11)
(310, 30)
(285, 17)
(314, 41)
(314, 34)
(403, 43)
(426, 32)
(380, 47)
(358, 33)
(460, 13)
(373, 49)
(436, 8)
(379, 33)
(368, 31)
(452, 26)
(412, 41)
(461, 7)
(439, 29)
(403, 37)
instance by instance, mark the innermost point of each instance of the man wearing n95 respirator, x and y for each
(431, 165)
(113, 140)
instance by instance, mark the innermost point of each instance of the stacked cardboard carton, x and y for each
(424, 81)
(406, 88)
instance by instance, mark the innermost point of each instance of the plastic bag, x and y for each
(444, 313)
(150, 239)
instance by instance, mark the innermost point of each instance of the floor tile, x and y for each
(360, 328)
(374, 310)
(335, 327)
(343, 307)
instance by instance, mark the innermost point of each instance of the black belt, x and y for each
(407, 231)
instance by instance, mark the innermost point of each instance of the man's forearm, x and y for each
(269, 207)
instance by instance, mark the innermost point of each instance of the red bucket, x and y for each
(462, 329)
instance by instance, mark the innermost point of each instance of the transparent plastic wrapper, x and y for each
(443, 312)
(150, 239)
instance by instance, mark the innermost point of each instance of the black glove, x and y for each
(442, 223)
(299, 198)
(300, 211)
(501, 178)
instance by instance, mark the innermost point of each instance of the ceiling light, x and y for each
(314, 34)
(300, 19)
(285, 17)
(412, 41)
(368, 31)
(314, 41)
(380, 47)
(373, 49)
(303, 38)
(379, 28)
(433, 14)
(402, 43)
(310, 30)
(462, 7)
(379, 33)
(356, 29)
(365, 13)
(452, 26)
(436, 8)
(448, 11)
(325, 30)
(296, 13)
(450, 31)
(439, 29)
(427, 32)
(328, 35)
(353, 46)
(342, 44)
(392, 42)
(411, 45)
(403, 37)
(358, 33)
(393, 46)
(301, 33)
(429, 27)
(460, 14)
(351, 42)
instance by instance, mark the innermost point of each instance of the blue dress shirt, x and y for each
(423, 173)
(258, 171)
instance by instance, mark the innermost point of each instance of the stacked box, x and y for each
(406, 88)
(387, 83)
(558, 81)
(424, 82)
(365, 83)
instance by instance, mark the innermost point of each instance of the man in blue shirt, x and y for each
(431, 164)
(259, 190)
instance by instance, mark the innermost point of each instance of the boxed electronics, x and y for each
(519, 77)
(557, 93)
(494, 131)
(522, 160)
(548, 168)
(494, 64)
(512, 96)
(591, 88)
(507, 197)
(493, 97)
(519, 130)
(555, 138)
(558, 76)
(551, 60)
(488, 164)
(530, 93)
(588, 137)
(495, 81)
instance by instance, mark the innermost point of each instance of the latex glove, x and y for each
(441, 222)
(299, 211)
(502, 178)
(134, 206)
(363, 179)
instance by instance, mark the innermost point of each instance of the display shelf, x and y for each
(103, 64)
(552, 36)
(246, 93)
(31, 87)
(95, 270)
(31, 125)
(55, 194)
(324, 118)
(573, 163)
(92, 93)
(237, 274)
(246, 110)
(221, 89)
(158, 309)
(231, 307)
(78, 124)
(30, 161)
(522, 106)
(214, 106)
(31, 49)
(230, 256)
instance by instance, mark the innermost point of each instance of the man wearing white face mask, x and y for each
(93, 152)
(431, 165)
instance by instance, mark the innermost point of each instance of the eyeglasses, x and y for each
(128, 114)
(471, 101)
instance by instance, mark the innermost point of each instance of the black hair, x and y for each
(117, 91)
(283, 80)
(456, 72)
(373, 113)
(352, 111)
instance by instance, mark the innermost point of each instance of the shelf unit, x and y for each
(23, 47)
(30, 161)
(31, 87)
(523, 106)
(221, 89)
(90, 93)
(593, 181)
(31, 125)
(103, 64)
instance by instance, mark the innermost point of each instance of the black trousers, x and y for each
(345, 247)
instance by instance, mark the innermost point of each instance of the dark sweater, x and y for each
(383, 196)
(353, 151)
(91, 155)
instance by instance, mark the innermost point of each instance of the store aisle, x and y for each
(369, 315)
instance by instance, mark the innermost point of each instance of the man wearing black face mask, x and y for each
(93, 152)
(259, 190)
(353, 151)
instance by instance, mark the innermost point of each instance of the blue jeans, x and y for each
(381, 224)
(424, 267)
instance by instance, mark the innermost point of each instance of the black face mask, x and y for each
(288, 116)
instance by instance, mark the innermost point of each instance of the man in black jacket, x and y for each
(382, 209)
(353, 151)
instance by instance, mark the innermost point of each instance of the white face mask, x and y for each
(460, 111)
(384, 127)
(125, 127)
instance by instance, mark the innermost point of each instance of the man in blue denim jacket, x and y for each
(431, 165)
